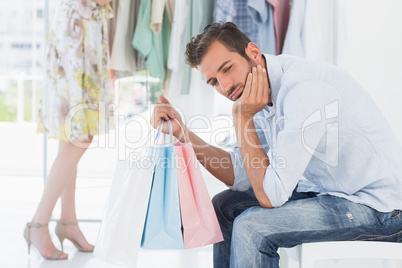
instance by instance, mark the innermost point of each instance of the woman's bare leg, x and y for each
(61, 174)
(68, 213)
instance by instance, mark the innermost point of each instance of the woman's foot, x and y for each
(38, 235)
(71, 231)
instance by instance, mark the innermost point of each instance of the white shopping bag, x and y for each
(122, 225)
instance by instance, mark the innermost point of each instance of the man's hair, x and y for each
(227, 33)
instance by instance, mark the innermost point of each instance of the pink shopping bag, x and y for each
(200, 225)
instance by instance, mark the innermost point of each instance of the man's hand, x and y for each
(255, 95)
(165, 110)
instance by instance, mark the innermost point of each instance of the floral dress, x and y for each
(77, 95)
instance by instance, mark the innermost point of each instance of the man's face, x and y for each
(226, 71)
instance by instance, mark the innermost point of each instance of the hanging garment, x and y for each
(158, 8)
(201, 91)
(112, 24)
(281, 12)
(261, 14)
(199, 15)
(199, 20)
(125, 60)
(153, 47)
(184, 83)
(323, 31)
(178, 40)
(181, 34)
(316, 30)
(77, 87)
(236, 12)
(293, 43)
(184, 78)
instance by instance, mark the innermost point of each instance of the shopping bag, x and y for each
(200, 225)
(123, 220)
(162, 229)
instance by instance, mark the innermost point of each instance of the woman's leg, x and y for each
(68, 201)
(68, 214)
(60, 175)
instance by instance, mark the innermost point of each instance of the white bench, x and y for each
(304, 255)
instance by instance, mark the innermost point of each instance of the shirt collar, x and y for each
(275, 74)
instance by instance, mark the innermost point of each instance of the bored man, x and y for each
(315, 159)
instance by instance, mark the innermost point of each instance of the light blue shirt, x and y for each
(293, 43)
(261, 13)
(325, 134)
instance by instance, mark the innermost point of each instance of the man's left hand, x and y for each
(255, 95)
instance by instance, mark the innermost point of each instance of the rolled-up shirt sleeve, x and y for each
(310, 116)
(241, 182)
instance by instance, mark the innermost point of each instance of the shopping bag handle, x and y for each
(170, 131)
(160, 130)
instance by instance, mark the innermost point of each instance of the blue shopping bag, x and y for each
(162, 228)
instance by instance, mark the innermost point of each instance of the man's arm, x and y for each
(254, 157)
(255, 96)
(217, 161)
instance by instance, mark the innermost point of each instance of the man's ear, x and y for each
(254, 52)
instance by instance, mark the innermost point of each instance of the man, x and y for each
(315, 161)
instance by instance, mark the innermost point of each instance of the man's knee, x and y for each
(245, 241)
(249, 233)
(243, 226)
(250, 224)
(240, 227)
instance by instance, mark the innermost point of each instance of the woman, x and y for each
(77, 86)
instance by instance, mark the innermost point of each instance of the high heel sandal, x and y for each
(28, 226)
(61, 234)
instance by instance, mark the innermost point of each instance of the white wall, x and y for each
(373, 53)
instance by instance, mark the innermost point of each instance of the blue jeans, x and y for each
(252, 234)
